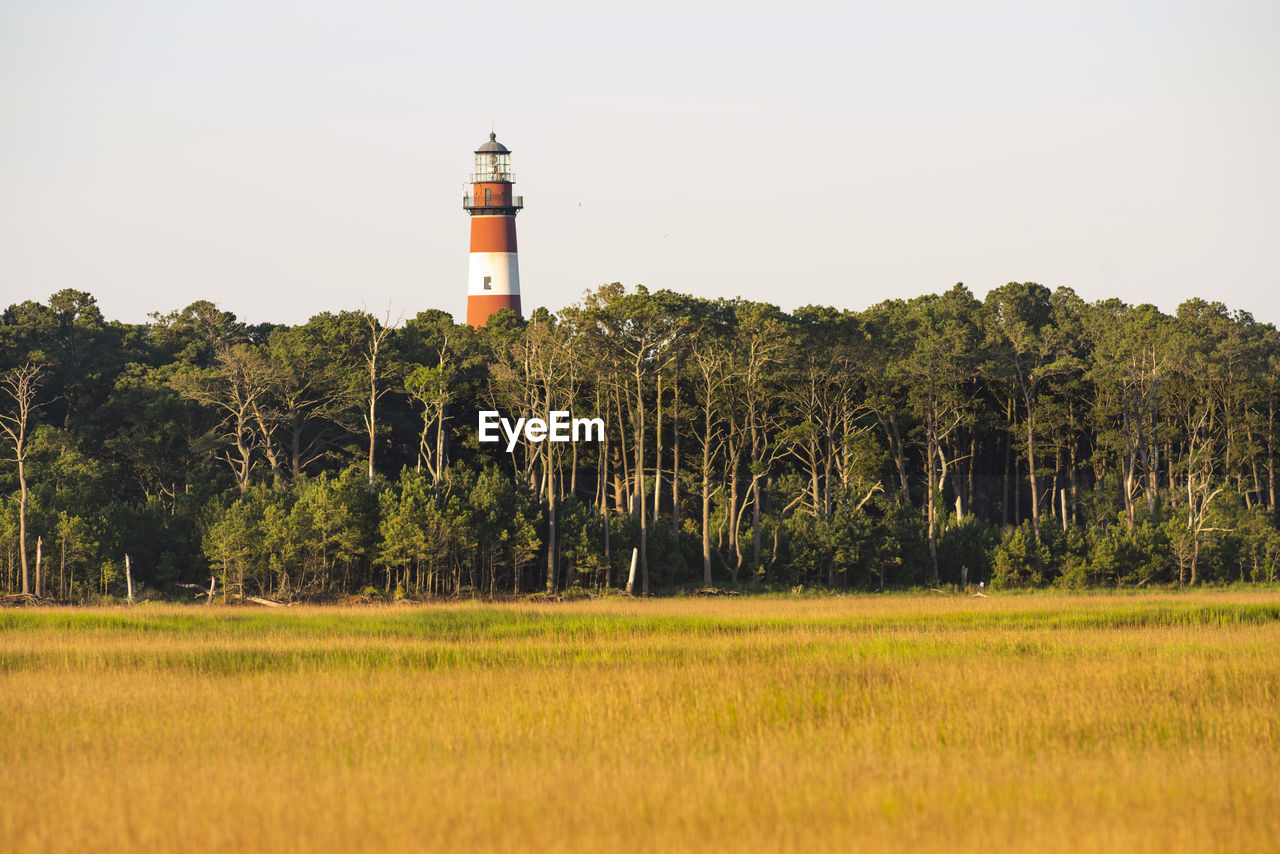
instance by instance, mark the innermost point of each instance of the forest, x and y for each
(1027, 439)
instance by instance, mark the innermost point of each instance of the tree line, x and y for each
(1029, 438)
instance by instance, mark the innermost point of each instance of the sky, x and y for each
(286, 158)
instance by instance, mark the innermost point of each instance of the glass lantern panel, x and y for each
(493, 167)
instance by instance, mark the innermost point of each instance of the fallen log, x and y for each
(201, 591)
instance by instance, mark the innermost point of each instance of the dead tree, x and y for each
(19, 385)
(378, 335)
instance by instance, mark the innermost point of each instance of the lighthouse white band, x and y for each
(501, 269)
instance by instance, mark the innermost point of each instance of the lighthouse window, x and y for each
(488, 280)
(486, 197)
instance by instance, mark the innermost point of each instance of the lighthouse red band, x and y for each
(493, 280)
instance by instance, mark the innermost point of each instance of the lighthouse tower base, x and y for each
(480, 307)
(493, 280)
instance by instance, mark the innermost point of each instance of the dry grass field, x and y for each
(897, 723)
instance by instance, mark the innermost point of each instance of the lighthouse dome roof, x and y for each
(493, 146)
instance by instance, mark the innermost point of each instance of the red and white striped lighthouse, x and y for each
(493, 281)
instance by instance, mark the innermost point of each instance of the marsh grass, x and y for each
(1088, 723)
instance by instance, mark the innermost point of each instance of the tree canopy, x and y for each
(1029, 438)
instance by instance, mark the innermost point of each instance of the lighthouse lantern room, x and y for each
(493, 280)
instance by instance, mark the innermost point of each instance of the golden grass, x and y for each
(1041, 723)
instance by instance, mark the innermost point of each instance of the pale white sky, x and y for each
(285, 158)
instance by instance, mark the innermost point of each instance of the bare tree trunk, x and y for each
(372, 421)
(440, 445)
(890, 424)
(657, 456)
(1271, 457)
(756, 501)
(1075, 489)
(1130, 512)
(631, 578)
(639, 473)
(1253, 470)
(973, 459)
(22, 522)
(295, 445)
(551, 517)
(20, 385)
(675, 454)
(1031, 469)
(930, 496)
(268, 443)
(1017, 494)
(706, 530)
(378, 334)
(734, 513)
(1053, 485)
(573, 469)
(1008, 464)
(602, 476)
(709, 385)
(244, 466)
(706, 497)
(622, 480)
(602, 481)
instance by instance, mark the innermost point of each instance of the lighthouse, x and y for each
(493, 280)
